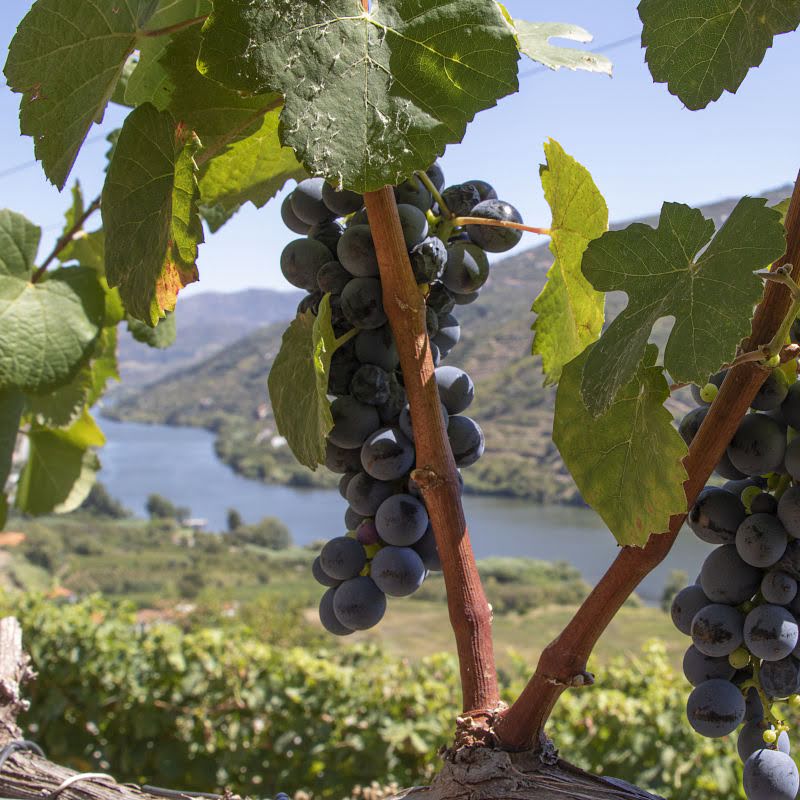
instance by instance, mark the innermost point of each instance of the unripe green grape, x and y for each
(750, 494)
(794, 701)
(773, 361)
(372, 549)
(770, 737)
(709, 393)
(740, 658)
(773, 481)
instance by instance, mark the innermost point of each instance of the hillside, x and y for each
(226, 393)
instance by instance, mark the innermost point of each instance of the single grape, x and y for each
(341, 202)
(686, 603)
(365, 495)
(717, 629)
(789, 511)
(763, 503)
(751, 738)
(428, 260)
(761, 540)
(754, 710)
(725, 469)
(332, 277)
(362, 303)
(406, 424)
(772, 392)
(310, 302)
(370, 385)
(490, 238)
(716, 516)
(388, 454)
(414, 224)
(440, 299)
(698, 667)
(691, 423)
(726, 578)
(739, 658)
(377, 347)
(353, 422)
(770, 632)
(790, 408)
(359, 603)
(328, 617)
(709, 393)
(390, 410)
(770, 775)
(322, 577)
(792, 459)
(290, 219)
(356, 252)
(431, 322)
(327, 233)
(342, 460)
(466, 299)
(344, 482)
(448, 335)
(307, 203)
(301, 259)
(401, 520)
(466, 440)
(715, 380)
(461, 198)
(435, 173)
(778, 588)
(428, 551)
(456, 389)
(352, 519)
(413, 192)
(342, 558)
(367, 533)
(467, 268)
(758, 446)
(715, 708)
(397, 571)
(780, 679)
(737, 487)
(343, 368)
(485, 191)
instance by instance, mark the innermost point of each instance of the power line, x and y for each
(605, 48)
(7, 173)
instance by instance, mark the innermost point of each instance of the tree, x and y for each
(159, 507)
(234, 520)
(268, 532)
(102, 504)
(365, 98)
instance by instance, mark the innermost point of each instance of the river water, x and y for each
(180, 464)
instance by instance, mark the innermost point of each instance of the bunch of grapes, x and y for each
(389, 545)
(742, 612)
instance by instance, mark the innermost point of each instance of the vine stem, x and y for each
(435, 193)
(178, 26)
(499, 223)
(66, 238)
(522, 725)
(470, 613)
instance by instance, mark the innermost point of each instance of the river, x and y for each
(180, 464)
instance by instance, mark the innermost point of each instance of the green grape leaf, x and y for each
(66, 59)
(534, 42)
(626, 463)
(678, 270)
(121, 88)
(104, 365)
(369, 96)
(48, 329)
(161, 337)
(19, 243)
(64, 405)
(252, 170)
(61, 468)
(3, 510)
(704, 48)
(88, 249)
(150, 214)
(569, 311)
(298, 384)
(150, 81)
(12, 404)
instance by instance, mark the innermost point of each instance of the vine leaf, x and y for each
(150, 214)
(370, 96)
(61, 468)
(49, 328)
(627, 462)
(534, 42)
(61, 407)
(67, 71)
(161, 337)
(87, 248)
(252, 170)
(569, 311)
(703, 48)
(298, 384)
(12, 404)
(678, 270)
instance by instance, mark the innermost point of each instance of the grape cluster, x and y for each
(742, 612)
(389, 546)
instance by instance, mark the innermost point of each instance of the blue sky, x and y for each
(639, 142)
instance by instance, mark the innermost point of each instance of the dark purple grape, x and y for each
(494, 239)
(307, 203)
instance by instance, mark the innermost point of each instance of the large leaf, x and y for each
(64, 405)
(66, 59)
(569, 311)
(703, 48)
(161, 337)
(61, 468)
(12, 403)
(370, 97)
(627, 462)
(298, 384)
(47, 329)
(150, 213)
(88, 249)
(254, 169)
(534, 42)
(104, 364)
(667, 272)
